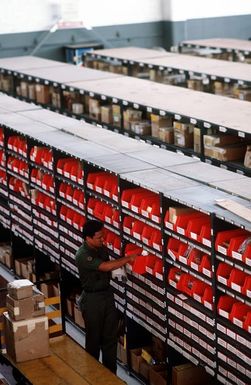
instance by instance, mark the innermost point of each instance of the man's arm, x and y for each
(117, 263)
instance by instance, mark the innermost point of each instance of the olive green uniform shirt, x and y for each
(88, 260)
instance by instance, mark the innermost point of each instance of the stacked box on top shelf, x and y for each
(141, 227)
(19, 188)
(4, 205)
(190, 287)
(71, 208)
(233, 274)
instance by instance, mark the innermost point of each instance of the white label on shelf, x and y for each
(236, 287)
(177, 117)
(180, 230)
(238, 322)
(207, 125)
(223, 313)
(222, 129)
(241, 134)
(162, 113)
(222, 250)
(237, 255)
(222, 279)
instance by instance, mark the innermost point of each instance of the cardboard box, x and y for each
(78, 318)
(106, 114)
(166, 134)
(158, 349)
(42, 94)
(226, 153)
(116, 115)
(141, 128)
(27, 339)
(31, 91)
(20, 288)
(247, 159)
(174, 212)
(144, 369)
(17, 267)
(157, 122)
(131, 116)
(183, 134)
(19, 309)
(189, 374)
(94, 109)
(77, 108)
(158, 375)
(38, 303)
(195, 84)
(135, 355)
(219, 140)
(196, 139)
(69, 306)
(47, 289)
(24, 89)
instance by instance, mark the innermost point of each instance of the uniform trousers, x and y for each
(101, 322)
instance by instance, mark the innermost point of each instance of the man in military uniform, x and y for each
(97, 301)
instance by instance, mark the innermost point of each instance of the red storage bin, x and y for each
(205, 235)
(47, 159)
(2, 158)
(225, 304)
(3, 178)
(108, 214)
(150, 208)
(186, 284)
(127, 195)
(128, 224)
(247, 287)
(150, 263)
(69, 192)
(137, 230)
(110, 187)
(11, 143)
(237, 279)
(139, 265)
(158, 269)
(137, 198)
(78, 221)
(76, 172)
(194, 258)
(131, 248)
(116, 219)
(146, 235)
(22, 147)
(239, 313)
(117, 245)
(223, 238)
(60, 165)
(23, 169)
(156, 240)
(194, 227)
(99, 182)
(69, 216)
(78, 198)
(207, 298)
(99, 210)
(91, 178)
(237, 247)
(206, 266)
(182, 222)
(48, 183)
(40, 200)
(1, 137)
(62, 212)
(50, 205)
(174, 276)
(37, 154)
(198, 290)
(247, 322)
(223, 273)
(62, 189)
(91, 205)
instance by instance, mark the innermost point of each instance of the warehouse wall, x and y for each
(25, 25)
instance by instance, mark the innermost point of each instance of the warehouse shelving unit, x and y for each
(226, 49)
(119, 96)
(213, 76)
(179, 291)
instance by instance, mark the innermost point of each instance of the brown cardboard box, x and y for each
(31, 91)
(219, 140)
(144, 369)
(183, 134)
(47, 289)
(157, 122)
(78, 318)
(106, 114)
(226, 153)
(188, 374)
(20, 288)
(136, 358)
(18, 267)
(195, 84)
(77, 108)
(158, 349)
(42, 94)
(196, 140)
(94, 109)
(19, 309)
(247, 159)
(141, 128)
(116, 115)
(69, 306)
(166, 134)
(158, 375)
(26, 339)
(38, 303)
(24, 89)
(130, 115)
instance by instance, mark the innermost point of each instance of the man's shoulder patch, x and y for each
(89, 258)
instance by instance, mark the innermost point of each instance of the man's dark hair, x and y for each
(91, 227)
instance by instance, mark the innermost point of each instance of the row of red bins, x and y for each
(18, 186)
(149, 263)
(72, 194)
(191, 286)
(17, 165)
(194, 225)
(42, 156)
(103, 183)
(44, 180)
(2, 158)
(72, 217)
(235, 243)
(143, 202)
(71, 168)
(144, 233)
(235, 311)
(18, 144)
(112, 241)
(45, 202)
(190, 256)
(1, 137)
(103, 211)
(3, 177)
(234, 278)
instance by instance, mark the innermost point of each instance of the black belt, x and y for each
(96, 290)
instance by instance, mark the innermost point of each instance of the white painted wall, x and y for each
(175, 10)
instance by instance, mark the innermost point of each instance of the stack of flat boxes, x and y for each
(26, 326)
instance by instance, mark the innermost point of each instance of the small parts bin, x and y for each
(1, 137)
(3, 178)
(103, 183)
(42, 156)
(103, 211)
(71, 169)
(17, 165)
(236, 312)
(144, 233)
(144, 262)
(18, 144)
(223, 240)
(18, 186)
(72, 217)
(112, 241)
(143, 202)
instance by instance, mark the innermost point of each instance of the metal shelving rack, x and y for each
(197, 331)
